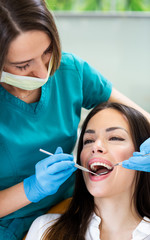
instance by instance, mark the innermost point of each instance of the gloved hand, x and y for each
(50, 174)
(139, 161)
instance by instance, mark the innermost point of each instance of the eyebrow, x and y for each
(16, 63)
(91, 131)
(114, 128)
(27, 61)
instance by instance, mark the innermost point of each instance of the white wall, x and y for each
(117, 45)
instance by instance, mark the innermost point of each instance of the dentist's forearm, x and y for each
(12, 199)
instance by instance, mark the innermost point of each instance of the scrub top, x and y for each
(47, 124)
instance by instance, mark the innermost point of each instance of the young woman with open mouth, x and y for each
(116, 204)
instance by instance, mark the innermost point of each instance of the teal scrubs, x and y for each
(47, 124)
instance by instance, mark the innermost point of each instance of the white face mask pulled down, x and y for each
(26, 82)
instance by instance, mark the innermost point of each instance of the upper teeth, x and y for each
(93, 166)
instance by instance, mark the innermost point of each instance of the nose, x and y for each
(41, 70)
(98, 147)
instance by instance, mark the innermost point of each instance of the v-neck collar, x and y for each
(31, 108)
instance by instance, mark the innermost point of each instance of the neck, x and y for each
(118, 217)
(28, 96)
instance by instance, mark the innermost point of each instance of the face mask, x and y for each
(25, 82)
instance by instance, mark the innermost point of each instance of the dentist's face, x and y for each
(107, 141)
(29, 55)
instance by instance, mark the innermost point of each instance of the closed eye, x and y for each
(23, 67)
(87, 141)
(116, 139)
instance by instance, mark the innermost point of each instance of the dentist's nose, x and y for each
(41, 70)
(98, 147)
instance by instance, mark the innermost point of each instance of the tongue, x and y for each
(102, 170)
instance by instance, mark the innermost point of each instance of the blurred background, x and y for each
(113, 36)
(100, 5)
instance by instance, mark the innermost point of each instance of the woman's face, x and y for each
(107, 141)
(29, 54)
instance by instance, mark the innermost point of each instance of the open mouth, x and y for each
(100, 168)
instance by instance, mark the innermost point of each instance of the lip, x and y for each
(99, 178)
(101, 160)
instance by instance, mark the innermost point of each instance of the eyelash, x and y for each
(117, 139)
(88, 141)
(23, 67)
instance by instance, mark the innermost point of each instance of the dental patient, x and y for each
(115, 205)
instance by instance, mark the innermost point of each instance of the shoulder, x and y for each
(71, 67)
(69, 58)
(46, 218)
(71, 61)
(145, 224)
(40, 224)
(143, 229)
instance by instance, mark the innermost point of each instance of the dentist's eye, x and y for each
(22, 67)
(116, 139)
(87, 141)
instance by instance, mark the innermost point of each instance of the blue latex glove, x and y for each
(50, 174)
(139, 161)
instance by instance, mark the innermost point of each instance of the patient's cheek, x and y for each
(124, 154)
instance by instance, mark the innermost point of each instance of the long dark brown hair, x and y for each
(72, 225)
(26, 15)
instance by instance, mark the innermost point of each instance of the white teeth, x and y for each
(93, 166)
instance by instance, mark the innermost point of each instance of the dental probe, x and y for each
(86, 170)
(76, 165)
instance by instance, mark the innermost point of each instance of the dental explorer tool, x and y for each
(76, 165)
